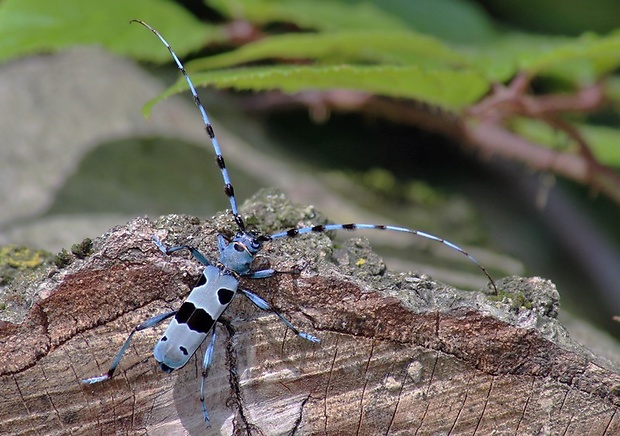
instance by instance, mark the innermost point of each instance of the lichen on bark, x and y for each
(399, 352)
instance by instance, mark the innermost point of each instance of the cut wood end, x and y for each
(399, 353)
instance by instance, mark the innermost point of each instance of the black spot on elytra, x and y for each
(201, 281)
(184, 312)
(183, 350)
(225, 296)
(197, 319)
(200, 321)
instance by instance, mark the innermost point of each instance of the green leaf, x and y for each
(612, 91)
(35, 26)
(541, 133)
(603, 143)
(383, 47)
(310, 14)
(450, 89)
(581, 59)
(455, 20)
(508, 54)
(458, 21)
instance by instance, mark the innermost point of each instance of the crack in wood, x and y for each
(538, 377)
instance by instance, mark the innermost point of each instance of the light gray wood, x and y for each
(400, 354)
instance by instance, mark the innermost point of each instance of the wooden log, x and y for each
(400, 354)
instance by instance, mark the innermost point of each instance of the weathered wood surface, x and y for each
(400, 354)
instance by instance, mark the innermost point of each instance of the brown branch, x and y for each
(505, 102)
(399, 353)
(482, 125)
(493, 139)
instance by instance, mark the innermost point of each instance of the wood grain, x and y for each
(400, 354)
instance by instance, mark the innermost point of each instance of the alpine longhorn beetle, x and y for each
(219, 282)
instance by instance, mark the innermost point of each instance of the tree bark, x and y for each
(399, 353)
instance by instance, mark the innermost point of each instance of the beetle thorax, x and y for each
(238, 254)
